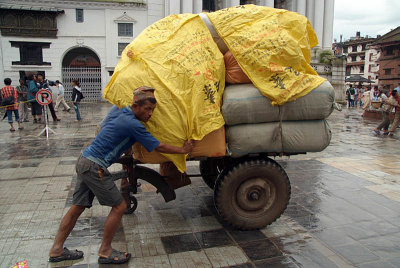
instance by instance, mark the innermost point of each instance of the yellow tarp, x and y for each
(178, 57)
(272, 46)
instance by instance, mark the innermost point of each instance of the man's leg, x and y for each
(395, 123)
(58, 100)
(38, 111)
(383, 123)
(67, 224)
(17, 119)
(26, 113)
(21, 111)
(10, 120)
(101, 184)
(386, 123)
(66, 107)
(78, 114)
(33, 112)
(110, 228)
(53, 113)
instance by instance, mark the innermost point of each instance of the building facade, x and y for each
(65, 39)
(361, 57)
(389, 61)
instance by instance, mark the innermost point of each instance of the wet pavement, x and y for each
(344, 210)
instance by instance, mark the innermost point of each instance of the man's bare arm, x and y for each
(170, 149)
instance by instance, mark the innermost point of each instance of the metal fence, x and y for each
(88, 77)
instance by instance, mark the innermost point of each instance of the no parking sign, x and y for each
(44, 97)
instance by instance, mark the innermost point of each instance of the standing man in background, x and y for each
(60, 97)
(43, 84)
(22, 99)
(36, 108)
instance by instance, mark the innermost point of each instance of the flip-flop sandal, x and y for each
(67, 255)
(116, 257)
(21, 128)
(12, 129)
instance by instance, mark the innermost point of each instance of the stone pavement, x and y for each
(344, 210)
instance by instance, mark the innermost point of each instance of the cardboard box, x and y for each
(212, 145)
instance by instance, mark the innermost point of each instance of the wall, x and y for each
(335, 74)
(389, 61)
(338, 78)
(98, 32)
(373, 72)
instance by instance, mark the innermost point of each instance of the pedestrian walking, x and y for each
(121, 130)
(60, 97)
(22, 99)
(9, 97)
(36, 108)
(387, 108)
(360, 96)
(350, 93)
(357, 91)
(77, 96)
(396, 121)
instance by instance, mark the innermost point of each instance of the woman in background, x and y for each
(76, 97)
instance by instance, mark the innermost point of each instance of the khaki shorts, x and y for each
(89, 184)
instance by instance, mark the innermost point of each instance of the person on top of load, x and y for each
(121, 130)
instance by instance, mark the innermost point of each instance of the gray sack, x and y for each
(244, 104)
(298, 137)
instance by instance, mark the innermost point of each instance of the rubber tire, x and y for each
(228, 183)
(210, 169)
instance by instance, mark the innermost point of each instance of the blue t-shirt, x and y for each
(119, 132)
(110, 113)
(32, 90)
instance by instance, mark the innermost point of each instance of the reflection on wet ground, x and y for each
(344, 210)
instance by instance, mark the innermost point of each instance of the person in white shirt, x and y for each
(60, 97)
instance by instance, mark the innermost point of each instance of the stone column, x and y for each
(338, 78)
(219, 4)
(266, 3)
(301, 7)
(328, 24)
(310, 11)
(319, 20)
(174, 6)
(291, 5)
(232, 3)
(166, 8)
(197, 6)
(187, 6)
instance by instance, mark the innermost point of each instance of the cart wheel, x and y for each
(253, 194)
(134, 205)
(210, 169)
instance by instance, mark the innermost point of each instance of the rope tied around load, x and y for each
(278, 132)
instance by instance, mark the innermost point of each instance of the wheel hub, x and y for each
(255, 194)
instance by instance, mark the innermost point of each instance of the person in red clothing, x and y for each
(6, 92)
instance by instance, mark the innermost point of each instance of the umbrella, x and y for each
(358, 78)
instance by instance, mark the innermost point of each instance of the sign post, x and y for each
(44, 97)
